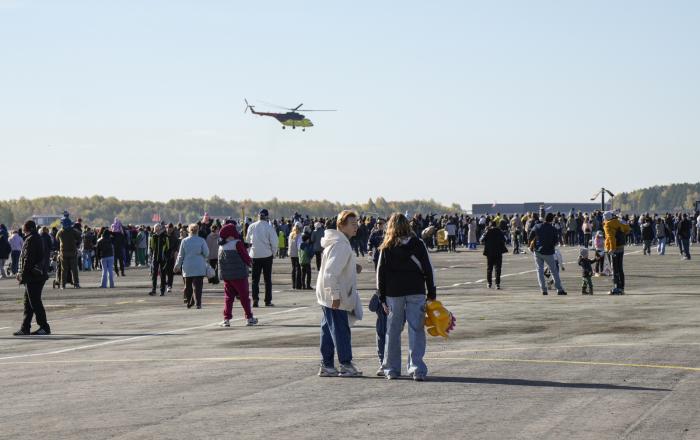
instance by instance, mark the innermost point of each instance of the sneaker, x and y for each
(391, 376)
(21, 332)
(614, 292)
(252, 321)
(324, 371)
(269, 305)
(418, 377)
(152, 293)
(162, 293)
(380, 371)
(544, 292)
(199, 306)
(169, 289)
(489, 286)
(561, 292)
(41, 332)
(621, 291)
(225, 323)
(349, 370)
(498, 287)
(255, 304)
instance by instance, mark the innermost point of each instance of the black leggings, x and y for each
(618, 270)
(296, 273)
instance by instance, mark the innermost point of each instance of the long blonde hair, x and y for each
(295, 231)
(397, 227)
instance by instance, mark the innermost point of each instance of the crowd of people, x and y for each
(230, 250)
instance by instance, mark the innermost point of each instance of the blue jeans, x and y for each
(107, 271)
(381, 334)
(87, 260)
(409, 309)
(661, 248)
(540, 260)
(685, 247)
(335, 335)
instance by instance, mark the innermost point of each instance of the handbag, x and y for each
(211, 273)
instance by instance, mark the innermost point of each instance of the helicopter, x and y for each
(288, 119)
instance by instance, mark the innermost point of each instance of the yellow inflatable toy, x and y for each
(438, 320)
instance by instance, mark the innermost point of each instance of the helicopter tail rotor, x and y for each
(247, 106)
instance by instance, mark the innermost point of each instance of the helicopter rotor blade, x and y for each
(274, 105)
(307, 110)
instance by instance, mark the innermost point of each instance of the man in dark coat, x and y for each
(494, 247)
(33, 276)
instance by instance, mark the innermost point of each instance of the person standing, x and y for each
(494, 247)
(5, 249)
(120, 245)
(544, 238)
(615, 238)
(105, 255)
(316, 237)
(263, 242)
(159, 245)
(404, 278)
(33, 276)
(336, 293)
(174, 236)
(192, 262)
(294, 242)
(68, 238)
(234, 262)
(684, 228)
(141, 246)
(213, 244)
(16, 242)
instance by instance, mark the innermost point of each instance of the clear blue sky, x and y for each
(461, 101)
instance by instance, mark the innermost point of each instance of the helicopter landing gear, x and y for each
(303, 129)
(283, 127)
(294, 127)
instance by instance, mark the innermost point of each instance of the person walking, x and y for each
(68, 238)
(5, 249)
(234, 262)
(661, 235)
(494, 247)
(105, 255)
(141, 246)
(192, 262)
(120, 245)
(615, 238)
(543, 238)
(404, 278)
(684, 229)
(336, 293)
(263, 242)
(33, 276)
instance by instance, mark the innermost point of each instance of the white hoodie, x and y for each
(337, 278)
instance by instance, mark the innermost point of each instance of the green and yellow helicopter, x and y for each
(288, 119)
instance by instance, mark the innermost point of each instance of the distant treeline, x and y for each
(97, 210)
(659, 199)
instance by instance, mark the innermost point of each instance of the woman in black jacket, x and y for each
(494, 247)
(404, 280)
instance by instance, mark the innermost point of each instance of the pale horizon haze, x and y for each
(460, 101)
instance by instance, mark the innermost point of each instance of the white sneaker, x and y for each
(380, 371)
(349, 370)
(170, 289)
(324, 371)
(252, 321)
(225, 323)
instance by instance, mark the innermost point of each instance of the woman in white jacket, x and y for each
(336, 292)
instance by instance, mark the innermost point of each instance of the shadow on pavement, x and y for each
(537, 383)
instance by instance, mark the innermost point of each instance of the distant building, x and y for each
(45, 219)
(520, 208)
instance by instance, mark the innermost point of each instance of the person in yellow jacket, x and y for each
(615, 238)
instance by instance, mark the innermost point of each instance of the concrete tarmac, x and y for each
(122, 364)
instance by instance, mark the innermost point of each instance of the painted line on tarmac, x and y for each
(134, 338)
(315, 357)
(564, 362)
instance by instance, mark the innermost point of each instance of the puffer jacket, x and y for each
(615, 233)
(337, 278)
(233, 261)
